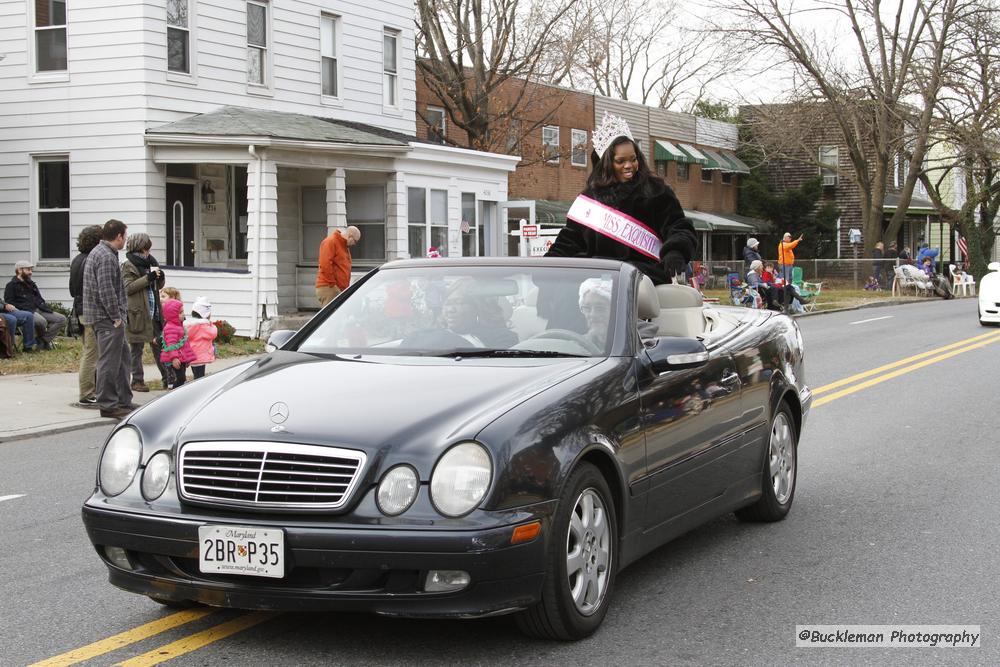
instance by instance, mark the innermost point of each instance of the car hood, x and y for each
(363, 404)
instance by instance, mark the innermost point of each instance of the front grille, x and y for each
(268, 475)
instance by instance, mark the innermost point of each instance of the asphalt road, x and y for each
(894, 522)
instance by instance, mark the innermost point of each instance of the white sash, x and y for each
(616, 225)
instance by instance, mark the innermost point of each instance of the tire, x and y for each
(779, 473)
(584, 539)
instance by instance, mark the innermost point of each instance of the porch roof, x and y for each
(918, 205)
(233, 121)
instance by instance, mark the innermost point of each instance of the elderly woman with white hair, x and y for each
(595, 304)
(143, 281)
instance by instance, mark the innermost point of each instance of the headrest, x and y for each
(648, 303)
(679, 296)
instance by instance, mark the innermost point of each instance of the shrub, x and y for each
(226, 331)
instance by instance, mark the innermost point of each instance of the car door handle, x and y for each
(731, 378)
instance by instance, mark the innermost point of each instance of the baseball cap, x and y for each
(23, 264)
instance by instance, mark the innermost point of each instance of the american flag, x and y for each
(963, 247)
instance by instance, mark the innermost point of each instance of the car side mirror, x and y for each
(671, 353)
(278, 339)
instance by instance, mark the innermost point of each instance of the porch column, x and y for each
(336, 200)
(262, 236)
(396, 239)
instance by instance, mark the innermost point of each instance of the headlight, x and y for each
(397, 490)
(119, 461)
(155, 476)
(461, 479)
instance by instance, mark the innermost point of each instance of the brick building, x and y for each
(552, 136)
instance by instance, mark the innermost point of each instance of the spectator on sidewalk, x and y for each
(143, 280)
(15, 317)
(105, 307)
(751, 252)
(878, 255)
(25, 295)
(334, 272)
(86, 241)
(201, 334)
(927, 252)
(786, 256)
(175, 350)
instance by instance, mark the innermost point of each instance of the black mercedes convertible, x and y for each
(457, 438)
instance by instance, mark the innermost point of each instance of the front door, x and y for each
(180, 224)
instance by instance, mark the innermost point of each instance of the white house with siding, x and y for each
(236, 133)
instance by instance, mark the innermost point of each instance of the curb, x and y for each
(873, 304)
(38, 431)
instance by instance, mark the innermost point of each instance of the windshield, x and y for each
(480, 311)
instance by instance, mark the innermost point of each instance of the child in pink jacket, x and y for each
(175, 351)
(201, 335)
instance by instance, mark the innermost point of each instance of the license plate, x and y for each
(254, 552)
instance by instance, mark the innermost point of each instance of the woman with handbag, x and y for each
(143, 280)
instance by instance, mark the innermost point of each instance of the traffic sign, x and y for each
(529, 231)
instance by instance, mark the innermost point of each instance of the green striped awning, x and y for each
(694, 155)
(739, 166)
(665, 150)
(715, 160)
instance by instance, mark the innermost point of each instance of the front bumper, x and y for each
(328, 567)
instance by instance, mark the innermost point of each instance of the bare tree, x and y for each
(482, 59)
(638, 50)
(881, 96)
(968, 127)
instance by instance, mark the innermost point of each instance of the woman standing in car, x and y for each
(626, 212)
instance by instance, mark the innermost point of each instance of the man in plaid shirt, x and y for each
(106, 308)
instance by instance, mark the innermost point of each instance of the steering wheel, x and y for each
(566, 334)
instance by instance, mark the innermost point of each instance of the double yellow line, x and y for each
(897, 368)
(821, 395)
(163, 653)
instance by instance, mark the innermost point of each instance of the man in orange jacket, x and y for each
(786, 256)
(334, 272)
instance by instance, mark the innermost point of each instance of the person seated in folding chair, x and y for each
(939, 283)
(756, 281)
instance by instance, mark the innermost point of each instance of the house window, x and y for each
(472, 239)
(829, 158)
(328, 44)
(579, 155)
(257, 43)
(661, 168)
(50, 35)
(514, 137)
(366, 207)
(727, 178)
(237, 179)
(683, 171)
(707, 175)
(53, 207)
(435, 124)
(550, 143)
(313, 222)
(428, 221)
(178, 37)
(390, 68)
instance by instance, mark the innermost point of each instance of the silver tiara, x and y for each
(611, 128)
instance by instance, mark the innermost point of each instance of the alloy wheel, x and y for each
(782, 458)
(588, 552)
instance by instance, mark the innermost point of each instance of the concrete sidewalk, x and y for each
(45, 403)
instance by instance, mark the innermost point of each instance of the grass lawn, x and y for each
(833, 297)
(66, 357)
